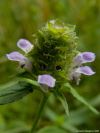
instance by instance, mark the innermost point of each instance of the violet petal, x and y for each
(25, 45)
(85, 70)
(15, 56)
(23, 61)
(83, 58)
(88, 57)
(76, 73)
(46, 79)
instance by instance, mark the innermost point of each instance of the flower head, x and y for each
(54, 47)
(26, 46)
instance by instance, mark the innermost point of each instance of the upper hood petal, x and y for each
(83, 58)
(46, 79)
(25, 45)
(15, 56)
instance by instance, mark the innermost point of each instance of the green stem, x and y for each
(40, 109)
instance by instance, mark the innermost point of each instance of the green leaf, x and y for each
(63, 101)
(14, 92)
(31, 82)
(25, 74)
(51, 129)
(8, 84)
(79, 97)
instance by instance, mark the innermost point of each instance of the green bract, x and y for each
(54, 47)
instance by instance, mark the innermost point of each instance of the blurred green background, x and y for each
(21, 19)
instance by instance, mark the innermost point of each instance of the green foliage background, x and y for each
(21, 19)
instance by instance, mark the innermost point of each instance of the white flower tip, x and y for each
(7, 56)
(28, 64)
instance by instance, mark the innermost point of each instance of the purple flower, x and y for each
(26, 46)
(75, 74)
(46, 81)
(83, 58)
